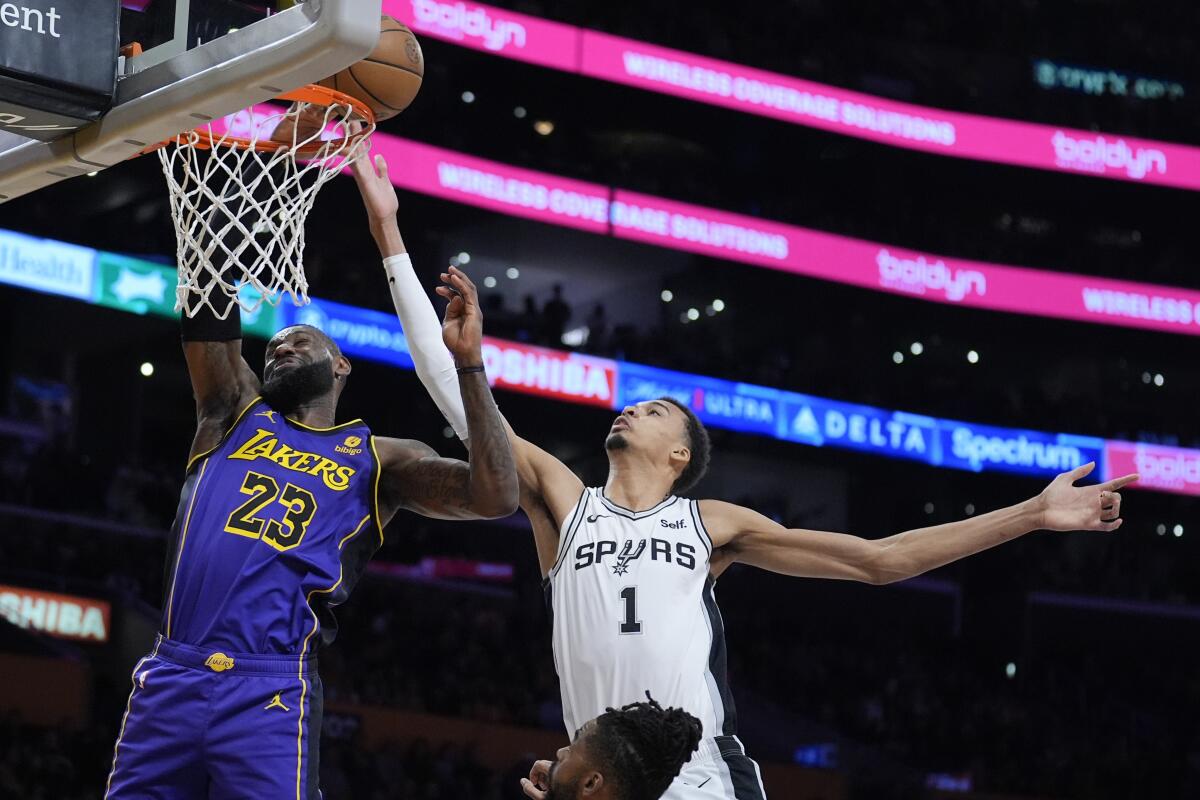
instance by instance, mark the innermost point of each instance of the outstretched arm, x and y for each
(740, 534)
(484, 487)
(548, 489)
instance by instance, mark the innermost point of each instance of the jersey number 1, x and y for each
(631, 624)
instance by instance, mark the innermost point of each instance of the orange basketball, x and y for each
(389, 78)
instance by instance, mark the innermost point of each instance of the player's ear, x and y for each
(592, 784)
(341, 368)
(680, 457)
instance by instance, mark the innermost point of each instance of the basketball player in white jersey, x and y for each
(630, 566)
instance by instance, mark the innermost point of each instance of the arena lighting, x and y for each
(693, 314)
(970, 509)
(752, 91)
(464, 258)
(929, 508)
(513, 273)
(519, 112)
(972, 357)
(147, 369)
(916, 348)
(1160, 529)
(1178, 531)
(544, 127)
(468, 97)
(448, 432)
(667, 295)
(139, 286)
(898, 357)
(684, 318)
(1158, 379)
(710, 311)
(1010, 669)
(489, 282)
(718, 304)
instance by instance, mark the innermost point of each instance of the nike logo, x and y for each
(593, 517)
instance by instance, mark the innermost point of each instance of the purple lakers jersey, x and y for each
(275, 526)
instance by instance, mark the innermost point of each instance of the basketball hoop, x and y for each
(241, 189)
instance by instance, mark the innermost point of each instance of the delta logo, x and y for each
(351, 446)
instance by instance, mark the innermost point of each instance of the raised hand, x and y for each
(462, 329)
(378, 193)
(538, 782)
(1067, 507)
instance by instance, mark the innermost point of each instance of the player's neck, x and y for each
(319, 413)
(636, 484)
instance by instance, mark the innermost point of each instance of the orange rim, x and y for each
(312, 94)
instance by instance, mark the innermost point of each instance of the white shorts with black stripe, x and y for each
(720, 770)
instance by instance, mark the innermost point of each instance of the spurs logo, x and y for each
(628, 554)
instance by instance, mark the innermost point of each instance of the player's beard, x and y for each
(563, 791)
(288, 390)
(616, 441)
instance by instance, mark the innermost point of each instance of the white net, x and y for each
(241, 190)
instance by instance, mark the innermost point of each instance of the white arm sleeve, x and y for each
(423, 330)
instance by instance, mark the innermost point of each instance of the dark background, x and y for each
(897, 683)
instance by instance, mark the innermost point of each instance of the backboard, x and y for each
(199, 60)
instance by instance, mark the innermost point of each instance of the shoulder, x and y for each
(726, 522)
(400, 452)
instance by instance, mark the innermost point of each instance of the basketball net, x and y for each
(241, 189)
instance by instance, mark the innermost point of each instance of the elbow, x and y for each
(885, 567)
(499, 504)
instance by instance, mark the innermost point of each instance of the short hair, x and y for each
(699, 445)
(641, 747)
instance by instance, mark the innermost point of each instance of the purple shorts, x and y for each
(207, 724)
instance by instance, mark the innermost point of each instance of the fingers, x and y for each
(531, 790)
(1110, 526)
(540, 773)
(1117, 483)
(1110, 506)
(381, 167)
(460, 281)
(1082, 471)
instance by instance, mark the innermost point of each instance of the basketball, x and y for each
(387, 80)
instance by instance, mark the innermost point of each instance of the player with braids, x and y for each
(631, 753)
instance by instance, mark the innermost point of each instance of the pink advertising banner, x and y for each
(788, 248)
(1166, 469)
(899, 271)
(495, 186)
(800, 102)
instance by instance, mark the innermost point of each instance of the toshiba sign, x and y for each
(550, 373)
(64, 615)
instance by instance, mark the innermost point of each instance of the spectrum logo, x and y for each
(918, 276)
(1101, 155)
(457, 21)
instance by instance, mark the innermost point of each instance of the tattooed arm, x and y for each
(416, 478)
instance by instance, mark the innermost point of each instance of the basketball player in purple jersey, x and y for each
(630, 567)
(281, 510)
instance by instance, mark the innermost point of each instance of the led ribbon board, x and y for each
(143, 287)
(767, 94)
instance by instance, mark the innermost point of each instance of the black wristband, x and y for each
(465, 370)
(208, 327)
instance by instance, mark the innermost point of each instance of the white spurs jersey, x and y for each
(633, 610)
